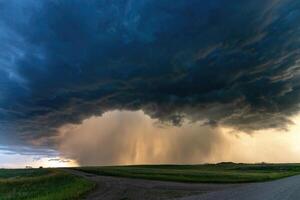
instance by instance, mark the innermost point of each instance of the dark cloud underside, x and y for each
(232, 62)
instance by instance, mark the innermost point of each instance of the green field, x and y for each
(219, 173)
(49, 184)
(41, 184)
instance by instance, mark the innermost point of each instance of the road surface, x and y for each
(283, 189)
(117, 188)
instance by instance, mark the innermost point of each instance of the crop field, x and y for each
(41, 184)
(58, 184)
(210, 173)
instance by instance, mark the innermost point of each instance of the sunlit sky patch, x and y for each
(122, 138)
(14, 160)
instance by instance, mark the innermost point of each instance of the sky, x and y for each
(148, 81)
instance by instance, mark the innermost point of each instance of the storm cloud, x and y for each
(219, 62)
(127, 137)
(134, 138)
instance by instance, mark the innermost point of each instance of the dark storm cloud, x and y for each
(233, 62)
(25, 150)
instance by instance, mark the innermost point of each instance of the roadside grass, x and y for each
(41, 185)
(15, 173)
(209, 173)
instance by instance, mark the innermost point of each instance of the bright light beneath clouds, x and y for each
(123, 137)
(13, 160)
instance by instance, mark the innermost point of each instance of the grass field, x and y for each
(41, 184)
(219, 173)
(49, 184)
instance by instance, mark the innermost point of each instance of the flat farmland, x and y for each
(210, 173)
(41, 184)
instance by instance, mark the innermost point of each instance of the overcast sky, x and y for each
(190, 70)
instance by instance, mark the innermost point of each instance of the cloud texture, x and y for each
(127, 137)
(229, 62)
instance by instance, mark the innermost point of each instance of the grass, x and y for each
(218, 173)
(19, 173)
(49, 184)
(41, 184)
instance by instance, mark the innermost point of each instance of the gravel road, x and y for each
(116, 188)
(283, 189)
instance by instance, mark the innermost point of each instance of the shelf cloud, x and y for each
(233, 63)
